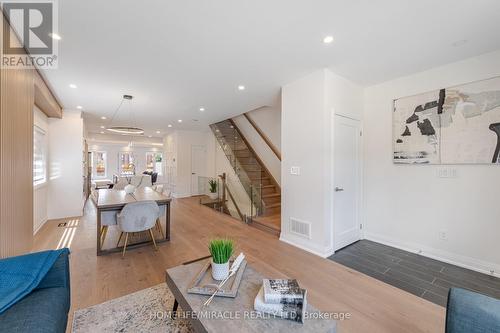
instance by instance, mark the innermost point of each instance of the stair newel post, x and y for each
(223, 177)
(251, 202)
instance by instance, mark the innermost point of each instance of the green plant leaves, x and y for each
(221, 250)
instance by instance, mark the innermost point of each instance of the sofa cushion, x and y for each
(42, 311)
(46, 308)
(471, 312)
(58, 275)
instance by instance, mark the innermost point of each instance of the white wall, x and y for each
(40, 190)
(65, 191)
(177, 149)
(407, 206)
(308, 108)
(170, 158)
(268, 118)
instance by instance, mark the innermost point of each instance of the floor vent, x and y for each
(301, 228)
(63, 224)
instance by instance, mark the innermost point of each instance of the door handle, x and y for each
(193, 173)
(339, 189)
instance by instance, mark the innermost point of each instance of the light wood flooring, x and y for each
(374, 305)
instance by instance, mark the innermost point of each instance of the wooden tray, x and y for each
(204, 284)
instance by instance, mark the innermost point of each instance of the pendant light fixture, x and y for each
(125, 130)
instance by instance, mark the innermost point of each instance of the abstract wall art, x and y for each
(457, 125)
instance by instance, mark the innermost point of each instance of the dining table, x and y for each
(110, 200)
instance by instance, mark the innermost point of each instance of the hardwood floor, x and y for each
(374, 306)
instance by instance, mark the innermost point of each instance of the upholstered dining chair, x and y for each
(107, 219)
(160, 189)
(137, 217)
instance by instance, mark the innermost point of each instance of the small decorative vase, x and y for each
(129, 189)
(213, 195)
(220, 271)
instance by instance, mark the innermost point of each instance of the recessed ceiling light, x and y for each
(55, 36)
(103, 127)
(202, 109)
(73, 86)
(104, 118)
(328, 39)
(158, 132)
(150, 136)
(102, 132)
(241, 87)
(179, 121)
(79, 107)
(169, 125)
(460, 43)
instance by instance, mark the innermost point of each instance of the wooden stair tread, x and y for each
(271, 195)
(269, 221)
(274, 205)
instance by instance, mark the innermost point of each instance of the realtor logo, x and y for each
(29, 40)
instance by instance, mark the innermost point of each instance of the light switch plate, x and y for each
(295, 170)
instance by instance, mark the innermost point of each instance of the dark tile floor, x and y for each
(416, 274)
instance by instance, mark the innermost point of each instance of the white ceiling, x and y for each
(178, 56)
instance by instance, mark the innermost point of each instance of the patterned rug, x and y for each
(147, 310)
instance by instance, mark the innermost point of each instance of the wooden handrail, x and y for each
(263, 136)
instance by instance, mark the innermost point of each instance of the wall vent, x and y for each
(300, 228)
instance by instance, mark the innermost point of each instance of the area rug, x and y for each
(147, 310)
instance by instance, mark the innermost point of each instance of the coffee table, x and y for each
(235, 314)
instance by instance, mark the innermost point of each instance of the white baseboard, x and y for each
(441, 255)
(323, 254)
(181, 195)
(40, 225)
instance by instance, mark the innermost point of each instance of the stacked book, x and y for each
(282, 298)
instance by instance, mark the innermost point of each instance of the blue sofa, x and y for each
(45, 309)
(470, 312)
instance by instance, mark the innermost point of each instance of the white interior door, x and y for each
(346, 181)
(198, 167)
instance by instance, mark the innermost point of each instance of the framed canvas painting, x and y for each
(457, 125)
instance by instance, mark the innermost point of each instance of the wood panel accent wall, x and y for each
(44, 98)
(16, 159)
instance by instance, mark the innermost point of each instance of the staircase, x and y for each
(258, 182)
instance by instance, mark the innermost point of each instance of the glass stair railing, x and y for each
(251, 173)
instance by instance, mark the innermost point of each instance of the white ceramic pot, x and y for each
(220, 271)
(129, 189)
(213, 195)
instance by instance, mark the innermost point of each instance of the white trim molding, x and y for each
(323, 253)
(477, 265)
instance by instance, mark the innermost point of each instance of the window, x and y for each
(154, 162)
(127, 164)
(39, 156)
(99, 164)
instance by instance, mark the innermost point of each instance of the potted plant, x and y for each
(221, 251)
(212, 187)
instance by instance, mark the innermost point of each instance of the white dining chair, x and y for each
(138, 217)
(107, 219)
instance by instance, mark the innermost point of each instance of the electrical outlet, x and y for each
(295, 170)
(446, 172)
(443, 235)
